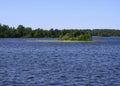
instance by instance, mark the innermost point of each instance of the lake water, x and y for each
(24, 63)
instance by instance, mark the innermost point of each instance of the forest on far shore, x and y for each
(27, 32)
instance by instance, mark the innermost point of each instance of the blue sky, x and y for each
(46, 14)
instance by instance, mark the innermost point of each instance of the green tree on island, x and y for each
(76, 37)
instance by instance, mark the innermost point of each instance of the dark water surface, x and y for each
(24, 63)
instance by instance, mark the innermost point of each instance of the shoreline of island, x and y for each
(70, 41)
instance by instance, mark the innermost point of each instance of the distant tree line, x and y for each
(27, 32)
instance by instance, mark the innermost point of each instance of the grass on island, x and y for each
(60, 41)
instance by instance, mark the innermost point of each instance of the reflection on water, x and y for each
(25, 63)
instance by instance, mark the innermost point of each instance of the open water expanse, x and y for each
(25, 63)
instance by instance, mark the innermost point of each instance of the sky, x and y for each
(61, 14)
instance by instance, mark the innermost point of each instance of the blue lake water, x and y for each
(24, 63)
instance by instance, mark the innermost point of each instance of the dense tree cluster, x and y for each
(75, 36)
(27, 32)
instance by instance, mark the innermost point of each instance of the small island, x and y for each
(75, 36)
